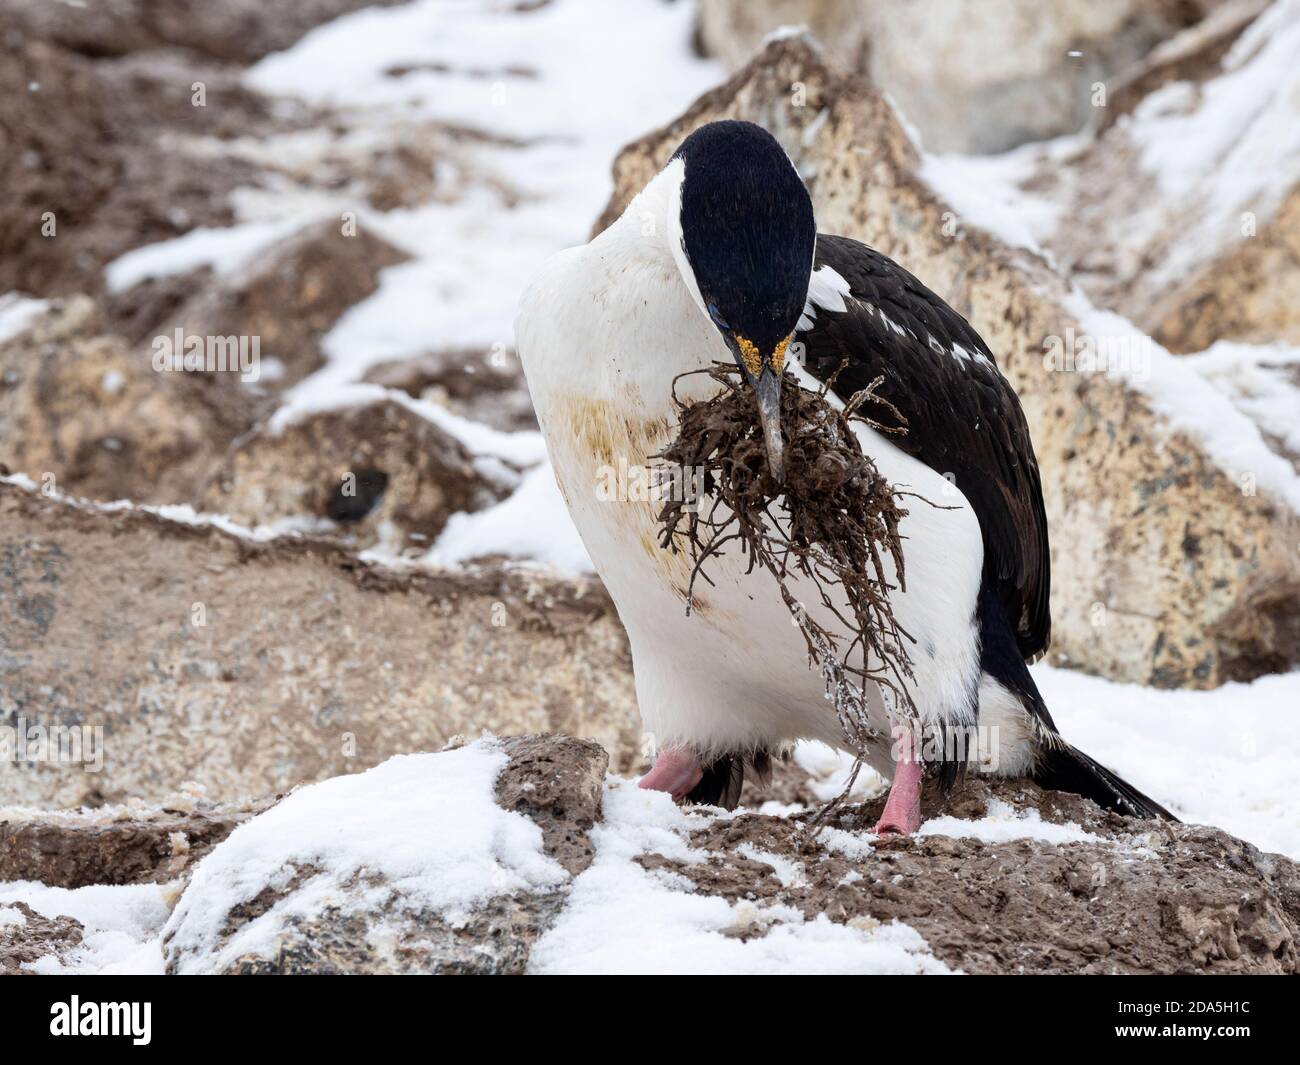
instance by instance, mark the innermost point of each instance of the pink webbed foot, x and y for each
(902, 813)
(676, 770)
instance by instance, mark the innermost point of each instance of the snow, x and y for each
(1225, 757)
(985, 191)
(428, 825)
(17, 313)
(789, 873)
(1257, 379)
(184, 514)
(181, 513)
(1004, 823)
(621, 918)
(542, 66)
(828, 770)
(121, 925)
(1226, 146)
(851, 845)
(225, 250)
(531, 523)
(11, 917)
(795, 31)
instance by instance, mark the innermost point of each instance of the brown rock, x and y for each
(1248, 292)
(483, 386)
(1192, 54)
(371, 469)
(84, 413)
(113, 846)
(249, 667)
(1144, 897)
(1164, 572)
(86, 171)
(87, 406)
(236, 31)
(557, 782)
(127, 122)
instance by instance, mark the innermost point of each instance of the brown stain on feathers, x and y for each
(596, 436)
(599, 433)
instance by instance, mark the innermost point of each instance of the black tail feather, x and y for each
(1066, 768)
(1060, 766)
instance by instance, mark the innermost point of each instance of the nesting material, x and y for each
(830, 526)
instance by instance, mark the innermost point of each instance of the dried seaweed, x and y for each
(833, 524)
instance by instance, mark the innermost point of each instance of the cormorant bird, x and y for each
(720, 253)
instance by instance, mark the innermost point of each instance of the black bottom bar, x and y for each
(299, 1014)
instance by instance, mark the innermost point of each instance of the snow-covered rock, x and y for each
(320, 269)
(89, 151)
(435, 863)
(28, 937)
(100, 928)
(1007, 878)
(477, 384)
(517, 855)
(1183, 212)
(1173, 523)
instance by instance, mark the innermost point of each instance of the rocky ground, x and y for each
(552, 867)
(250, 582)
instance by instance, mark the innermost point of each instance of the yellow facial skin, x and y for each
(778, 355)
(749, 353)
(753, 360)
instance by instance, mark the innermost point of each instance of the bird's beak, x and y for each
(764, 377)
(768, 390)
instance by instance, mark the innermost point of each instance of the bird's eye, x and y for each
(716, 315)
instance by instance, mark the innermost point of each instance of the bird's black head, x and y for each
(748, 237)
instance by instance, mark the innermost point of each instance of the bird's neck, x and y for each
(651, 225)
(647, 218)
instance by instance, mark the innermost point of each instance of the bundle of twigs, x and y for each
(833, 523)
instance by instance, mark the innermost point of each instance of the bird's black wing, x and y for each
(962, 418)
